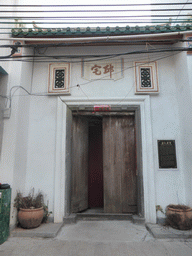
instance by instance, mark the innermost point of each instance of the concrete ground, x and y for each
(98, 238)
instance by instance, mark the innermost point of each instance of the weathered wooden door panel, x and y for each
(79, 199)
(95, 176)
(119, 168)
(129, 178)
(112, 179)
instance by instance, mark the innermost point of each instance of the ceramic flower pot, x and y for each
(179, 217)
(30, 218)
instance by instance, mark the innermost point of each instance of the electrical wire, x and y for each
(43, 94)
(131, 20)
(79, 86)
(182, 9)
(92, 17)
(152, 21)
(93, 5)
(130, 67)
(64, 102)
(42, 58)
(32, 73)
(101, 10)
(100, 57)
(84, 43)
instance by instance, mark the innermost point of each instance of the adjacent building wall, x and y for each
(15, 137)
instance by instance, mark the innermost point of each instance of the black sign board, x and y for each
(167, 154)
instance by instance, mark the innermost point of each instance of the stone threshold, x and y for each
(95, 216)
(45, 230)
(164, 232)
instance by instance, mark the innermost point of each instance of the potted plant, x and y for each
(179, 216)
(30, 209)
(160, 215)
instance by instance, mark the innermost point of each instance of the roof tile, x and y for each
(98, 31)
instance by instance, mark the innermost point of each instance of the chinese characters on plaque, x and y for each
(167, 154)
(105, 70)
(97, 70)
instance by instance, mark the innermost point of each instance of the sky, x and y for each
(75, 15)
(85, 16)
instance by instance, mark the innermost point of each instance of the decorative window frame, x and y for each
(51, 83)
(189, 42)
(153, 76)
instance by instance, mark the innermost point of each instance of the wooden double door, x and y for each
(104, 163)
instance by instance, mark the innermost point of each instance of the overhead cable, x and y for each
(100, 57)
(95, 5)
(116, 41)
(95, 17)
(102, 10)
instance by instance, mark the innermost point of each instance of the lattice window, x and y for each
(59, 78)
(145, 77)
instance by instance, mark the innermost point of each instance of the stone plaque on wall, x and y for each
(103, 69)
(167, 154)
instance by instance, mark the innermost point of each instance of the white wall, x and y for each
(15, 137)
(189, 64)
(164, 117)
(189, 175)
(33, 126)
(183, 85)
(166, 126)
(41, 144)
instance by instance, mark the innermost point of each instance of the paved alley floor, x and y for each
(104, 231)
(98, 238)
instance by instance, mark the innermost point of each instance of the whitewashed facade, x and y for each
(36, 139)
(34, 150)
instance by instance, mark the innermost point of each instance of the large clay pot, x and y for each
(30, 218)
(179, 218)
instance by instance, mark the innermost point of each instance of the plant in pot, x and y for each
(160, 215)
(179, 216)
(30, 209)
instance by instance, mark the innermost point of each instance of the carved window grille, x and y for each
(59, 78)
(145, 77)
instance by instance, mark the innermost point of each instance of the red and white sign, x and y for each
(98, 108)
